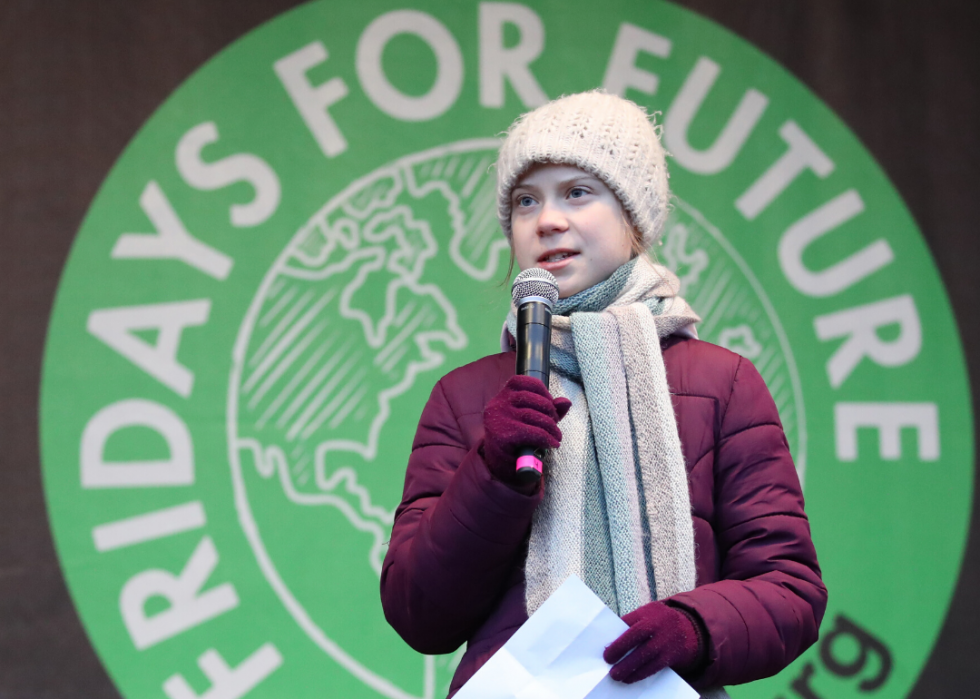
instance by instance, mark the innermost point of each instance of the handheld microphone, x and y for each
(535, 292)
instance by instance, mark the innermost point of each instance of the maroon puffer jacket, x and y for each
(454, 571)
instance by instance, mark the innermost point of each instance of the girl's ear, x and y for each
(636, 238)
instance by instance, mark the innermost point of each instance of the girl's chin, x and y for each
(571, 284)
(568, 287)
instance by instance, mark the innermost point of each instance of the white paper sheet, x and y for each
(557, 654)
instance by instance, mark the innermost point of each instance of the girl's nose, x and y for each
(551, 219)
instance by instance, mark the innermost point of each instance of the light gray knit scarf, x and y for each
(616, 509)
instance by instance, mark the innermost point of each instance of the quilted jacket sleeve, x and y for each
(457, 537)
(766, 608)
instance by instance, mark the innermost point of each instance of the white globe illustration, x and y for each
(382, 291)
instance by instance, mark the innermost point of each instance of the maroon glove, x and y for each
(523, 414)
(659, 636)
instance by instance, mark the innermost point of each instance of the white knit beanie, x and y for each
(603, 134)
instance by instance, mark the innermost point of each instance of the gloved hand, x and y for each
(660, 636)
(523, 414)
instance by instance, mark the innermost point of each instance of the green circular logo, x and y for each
(303, 239)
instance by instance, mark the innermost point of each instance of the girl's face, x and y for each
(568, 222)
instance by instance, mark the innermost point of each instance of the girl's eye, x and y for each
(525, 200)
(577, 192)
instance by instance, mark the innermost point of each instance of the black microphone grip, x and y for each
(533, 359)
(534, 340)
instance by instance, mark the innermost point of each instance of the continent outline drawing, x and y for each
(272, 460)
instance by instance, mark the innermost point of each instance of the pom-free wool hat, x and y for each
(603, 134)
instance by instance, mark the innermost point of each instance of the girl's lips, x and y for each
(544, 264)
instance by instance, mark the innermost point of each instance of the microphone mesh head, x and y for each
(535, 282)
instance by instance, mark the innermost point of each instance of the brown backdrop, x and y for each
(79, 78)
